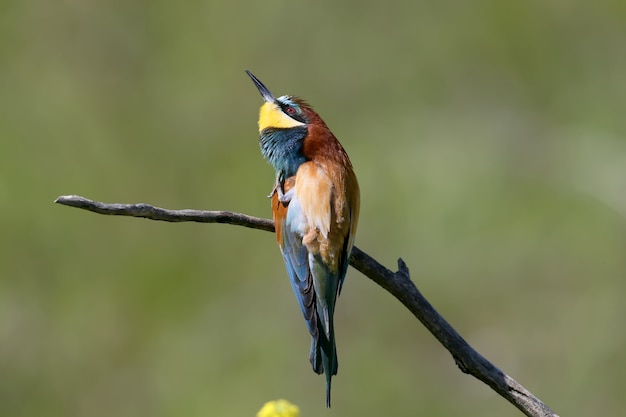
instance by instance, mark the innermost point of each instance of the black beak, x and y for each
(267, 96)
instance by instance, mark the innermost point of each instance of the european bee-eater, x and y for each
(315, 206)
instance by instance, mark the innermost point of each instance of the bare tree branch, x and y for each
(398, 283)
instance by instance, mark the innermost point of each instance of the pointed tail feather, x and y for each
(330, 369)
(324, 360)
(329, 357)
(328, 378)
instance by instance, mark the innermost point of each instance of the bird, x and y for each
(315, 204)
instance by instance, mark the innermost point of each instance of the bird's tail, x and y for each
(324, 359)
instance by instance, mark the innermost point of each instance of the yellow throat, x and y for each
(272, 116)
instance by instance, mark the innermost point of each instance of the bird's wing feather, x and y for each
(296, 259)
(352, 216)
(295, 255)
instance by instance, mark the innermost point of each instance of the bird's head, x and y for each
(283, 127)
(284, 112)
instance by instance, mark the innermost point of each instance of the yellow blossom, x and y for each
(279, 408)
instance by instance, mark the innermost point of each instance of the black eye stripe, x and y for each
(292, 111)
(285, 108)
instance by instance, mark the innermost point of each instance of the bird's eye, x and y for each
(290, 111)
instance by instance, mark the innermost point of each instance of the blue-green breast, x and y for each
(283, 149)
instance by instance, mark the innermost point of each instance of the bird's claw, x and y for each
(283, 197)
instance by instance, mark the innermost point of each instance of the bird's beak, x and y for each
(267, 96)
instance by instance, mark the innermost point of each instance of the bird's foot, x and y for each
(283, 197)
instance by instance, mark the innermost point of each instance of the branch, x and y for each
(398, 284)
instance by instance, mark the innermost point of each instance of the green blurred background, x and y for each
(489, 138)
